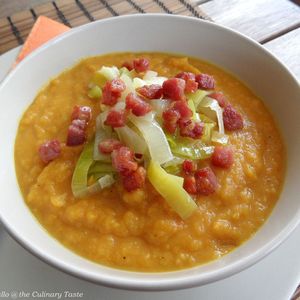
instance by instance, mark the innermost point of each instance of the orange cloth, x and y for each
(43, 30)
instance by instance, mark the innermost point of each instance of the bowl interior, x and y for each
(268, 78)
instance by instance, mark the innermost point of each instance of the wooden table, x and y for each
(273, 23)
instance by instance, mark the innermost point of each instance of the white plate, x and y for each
(275, 277)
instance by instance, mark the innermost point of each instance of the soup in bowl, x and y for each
(148, 164)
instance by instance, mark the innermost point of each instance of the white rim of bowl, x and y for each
(152, 284)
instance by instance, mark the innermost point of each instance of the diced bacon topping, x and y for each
(112, 90)
(76, 135)
(183, 109)
(134, 180)
(109, 145)
(222, 157)
(152, 91)
(220, 98)
(170, 117)
(205, 81)
(174, 89)
(83, 113)
(191, 86)
(189, 166)
(81, 124)
(128, 65)
(232, 119)
(191, 128)
(49, 150)
(138, 106)
(189, 184)
(116, 118)
(123, 161)
(186, 76)
(80, 117)
(117, 85)
(141, 64)
(108, 97)
(206, 181)
(180, 114)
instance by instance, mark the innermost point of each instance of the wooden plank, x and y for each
(259, 19)
(287, 49)
(9, 7)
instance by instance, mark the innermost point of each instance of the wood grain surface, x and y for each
(15, 28)
(260, 19)
(287, 49)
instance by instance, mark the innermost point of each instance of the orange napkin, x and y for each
(43, 30)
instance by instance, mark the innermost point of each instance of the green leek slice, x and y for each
(174, 166)
(171, 189)
(131, 139)
(125, 71)
(80, 175)
(191, 105)
(101, 167)
(219, 138)
(184, 147)
(149, 75)
(95, 92)
(106, 181)
(155, 138)
(197, 97)
(207, 132)
(109, 73)
(211, 108)
(129, 86)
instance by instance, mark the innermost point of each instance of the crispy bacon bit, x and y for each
(191, 128)
(152, 91)
(81, 124)
(108, 97)
(186, 76)
(80, 117)
(117, 85)
(189, 166)
(123, 161)
(205, 81)
(174, 114)
(138, 106)
(112, 90)
(109, 145)
(49, 150)
(189, 184)
(206, 181)
(220, 98)
(141, 64)
(174, 89)
(232, 119)
(191, 86)
(183, 109)
(83, 113)
(76, 135)
(134, 180)
(222, 157)
(128, 65)
(116, 118)
(170, 117)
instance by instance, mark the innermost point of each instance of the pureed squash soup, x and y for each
(141, 171)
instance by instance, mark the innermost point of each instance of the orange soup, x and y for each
(129, 224)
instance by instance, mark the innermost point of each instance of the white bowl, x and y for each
(249, 61)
